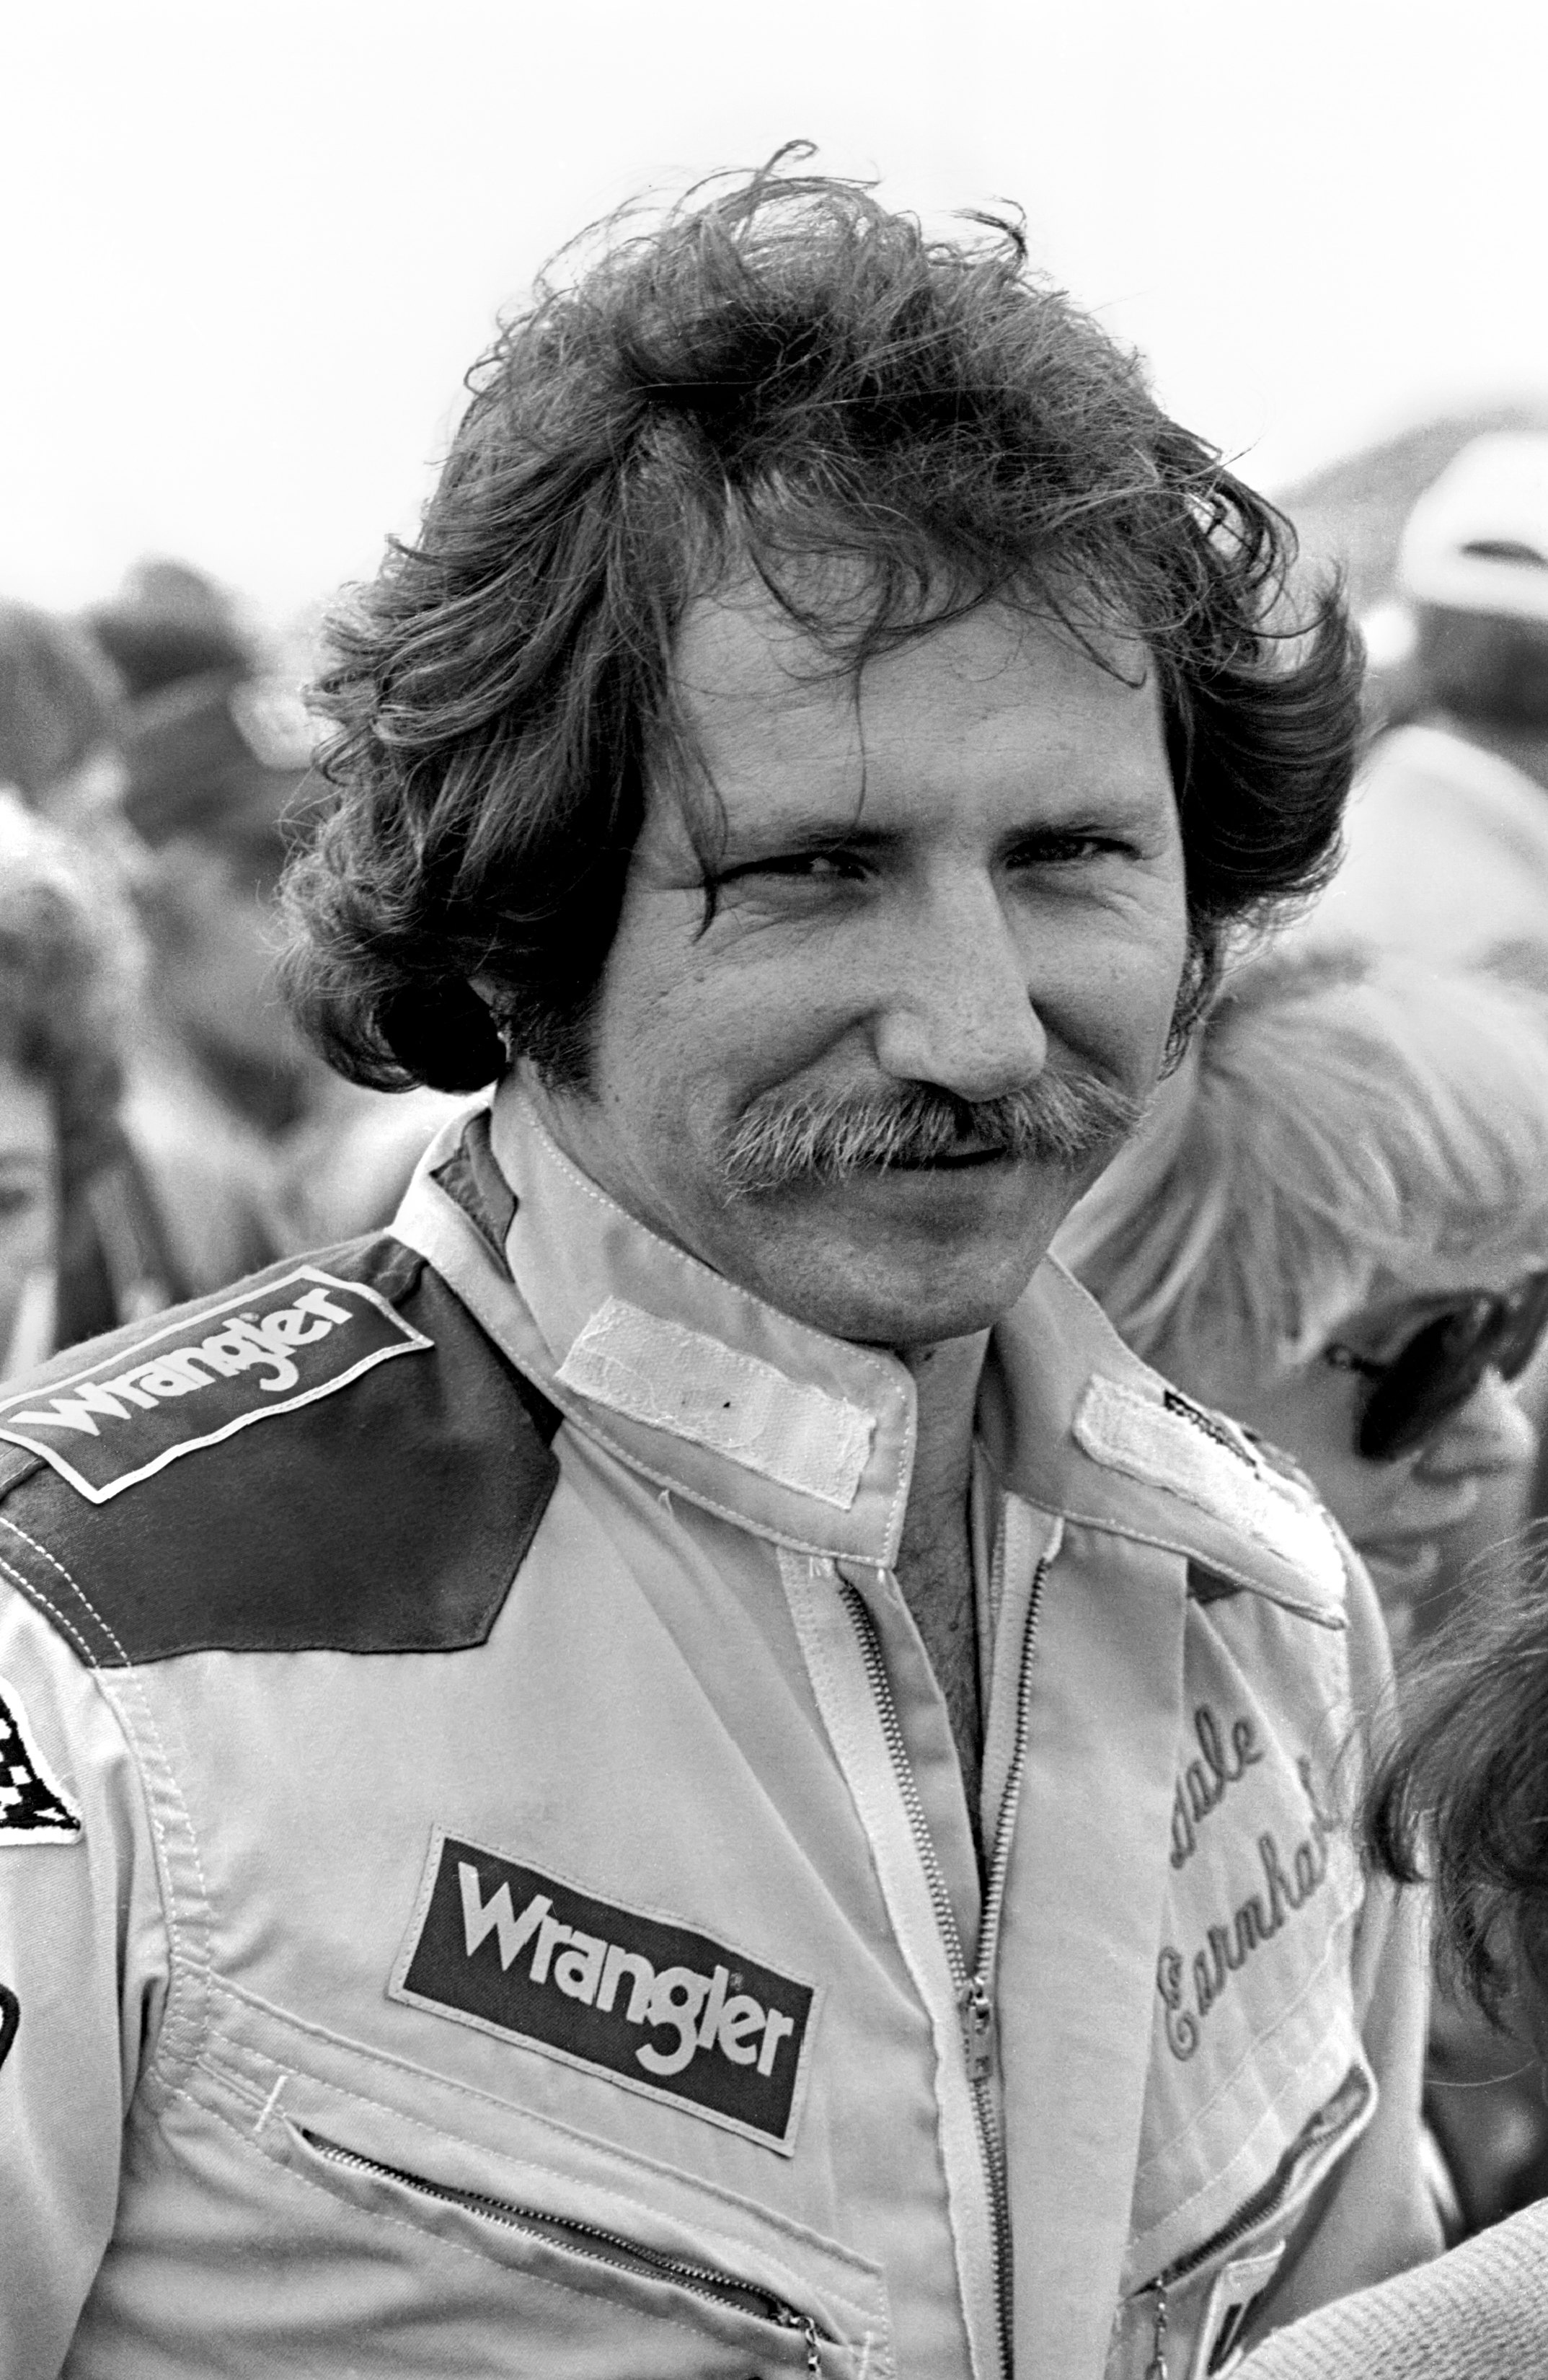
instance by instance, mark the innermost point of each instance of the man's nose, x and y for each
(1488, 1434)
(958, 1011)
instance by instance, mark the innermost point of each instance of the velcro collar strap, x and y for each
(698, 1385)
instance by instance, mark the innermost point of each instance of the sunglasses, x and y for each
(1435, 1373)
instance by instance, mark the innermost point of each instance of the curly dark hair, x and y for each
(780, 373)
(1458, 1796)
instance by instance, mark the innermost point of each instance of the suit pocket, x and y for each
(398, 2242)
(1193, 2317)
(617, 2282)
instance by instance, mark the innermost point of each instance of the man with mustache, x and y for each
(728, 1784)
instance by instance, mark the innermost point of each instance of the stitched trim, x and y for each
(1321, 1615)
(1337, 1942)
(674, 1483)
(1163, 1441)
(184, 1965)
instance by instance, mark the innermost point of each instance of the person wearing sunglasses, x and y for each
(1335, 1228)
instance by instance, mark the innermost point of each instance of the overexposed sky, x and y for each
(250, 249)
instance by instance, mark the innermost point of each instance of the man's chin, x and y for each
(898, 1299)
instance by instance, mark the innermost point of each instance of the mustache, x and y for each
(1060, 1120)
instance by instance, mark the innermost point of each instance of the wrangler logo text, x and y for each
(203, 1377)
(647, 2001)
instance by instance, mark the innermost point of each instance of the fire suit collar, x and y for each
(693, 1381)
(1074, 1422)
(808, 1440)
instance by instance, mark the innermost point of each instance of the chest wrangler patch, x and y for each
(622, 1993)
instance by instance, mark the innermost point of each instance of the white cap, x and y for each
(1477, 541)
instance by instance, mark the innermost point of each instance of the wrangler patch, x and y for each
(33, 1807)
(640, 1998)
(203, 1377)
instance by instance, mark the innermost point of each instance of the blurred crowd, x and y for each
(163, 1129)
(1334, 1226)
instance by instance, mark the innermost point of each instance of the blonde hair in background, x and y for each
(1344, 1116)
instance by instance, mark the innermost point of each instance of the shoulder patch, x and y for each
(193, 1381)
(1158, 1435)
(33, 1807)
(392, 1518)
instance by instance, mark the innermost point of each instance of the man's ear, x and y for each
(483, 988)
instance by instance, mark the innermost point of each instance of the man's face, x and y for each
(965, 879)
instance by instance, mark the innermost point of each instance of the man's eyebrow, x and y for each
(759, 838)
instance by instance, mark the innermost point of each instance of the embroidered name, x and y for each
(259, 1354)
(1288, 1886)
(637, 1997)
(1204, 1783)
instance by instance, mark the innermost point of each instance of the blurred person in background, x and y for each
(1446, 836)
(61, 715)
(179, 1213)
(81, 1242)
(1357, 1148)
(214, 766)
(1461, 1798)
(168, 621)
(219, 766)
(1335, 1229)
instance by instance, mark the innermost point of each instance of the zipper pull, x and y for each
(978, 2028)
(1156, 2368)
(789, 2320)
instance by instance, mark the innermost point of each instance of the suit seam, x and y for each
(199, 1959)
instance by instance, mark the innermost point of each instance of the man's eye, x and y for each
(1066, 850)
(803, 868)
(18, 1198)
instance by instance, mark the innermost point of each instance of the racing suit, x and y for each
(486, 1884)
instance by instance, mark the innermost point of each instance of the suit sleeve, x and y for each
(1377, 2214)
(83, 1964)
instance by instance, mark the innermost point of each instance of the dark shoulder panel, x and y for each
(333, 1455)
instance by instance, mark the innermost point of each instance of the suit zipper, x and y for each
(601, 2247)
(1325, 2125)
(973, 1990)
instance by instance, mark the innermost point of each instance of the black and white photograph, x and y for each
(774, 1191)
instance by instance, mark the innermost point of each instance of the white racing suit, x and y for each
(486, 1885)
